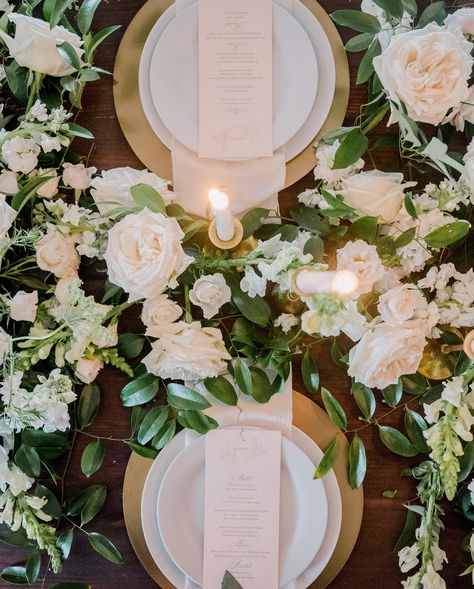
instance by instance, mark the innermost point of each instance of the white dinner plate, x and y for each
(174, 77)
(326, 79)
(152, 533)
(303, 511)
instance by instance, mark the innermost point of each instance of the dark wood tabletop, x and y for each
(372, 565)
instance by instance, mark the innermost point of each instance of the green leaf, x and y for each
(364, 398)
(310, 373)
(391, 7)
(393, 393)
(389, 494)
(262, 390)
(357, 462)
(15, 575)
(254, 309)
(364, 228)
(64, 542)
(359, 42)
(33, 566)
(308, 218)
(100, 38)
(396, 442)
(69, 54)
(433, 13)
(14, 539)
(140, 391)
(88, 502)
(164, 435)
(86, 15)
(466, 462)
(447, 235)
(334, 410)
(58, 10)
(105, 547)
(200, 422)
(408, 533)
(230, 582)
(336, 356)
(354, 19)
(92, 458)
(243, 377)
(410, 207)
(366, 66)
(405, 238)
(28, 460)
(27, 192)
(315, 247)
(414, 384)
(221, 389)
(130, 345)
(415, 425)
(352, 147)
(410, 6)
(52, 507)
(181, 397)
(147, 197)
(154, 420)
(143, 451)
(253, 220)
(88, 406)
(17, 78)
(70, 585)
(328, 460)
(136, 418)
(78, 131)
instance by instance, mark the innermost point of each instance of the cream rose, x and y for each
(56, 253)
(159, 313)
(112, 188)
(462, 19)
(87, 369)
(35, 45)
(427, 70)
(144, 254)
(375, 193)
(7, 216)
(50, 187)
(77, 176)
(8, 182)
(23, 306)
(188, 351)
(386, 353)
(401, 304)
(463, 113)
(210, 293)
(362, 259)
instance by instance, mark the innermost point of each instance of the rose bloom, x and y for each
(463, 113)
(57, 253)
(362, 259)
(23, 306)
(462, 19)
(210, 293)
(50, 187)
(77, 176)
(401, 304)
(427, 70)
(8, 182)
(386, 353)
(375, 193)
(87, 369)
(160, 312)
(7, 216)
(188, 351)
(34, 45)
(144, 254)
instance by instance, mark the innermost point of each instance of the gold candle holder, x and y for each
(226, 245)
(467, 346)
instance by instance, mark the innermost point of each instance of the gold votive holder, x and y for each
(226, 245)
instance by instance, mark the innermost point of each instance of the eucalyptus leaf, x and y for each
(105, 547)
(435, 12)
(357, 462)
(391, 7)
(334, 409)
(33, 566)
(221, 389)
(396, 442)
(310, 373)
(136, 418)
(337, 356)
(181, 397)
(328, 460)
(88, 406)
(140, 391)
(146, 196)
(92, 458)
(364, 398)
(253, 220)
(415, 425)
(364, 228)
(410, 207)
(315, 247)
(152, 423)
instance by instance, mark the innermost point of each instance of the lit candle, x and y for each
(222, 214)
(311, 281)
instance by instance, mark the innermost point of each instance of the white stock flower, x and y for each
(112, 188)
(87, 369)
(253, 284)
(77, 176)
(7, 216)
(50, 187)
(23, 306)
(462, 19)
(8, 182)
(363, 260)
(453, 390)
(286, 321)
(144, 254)
(375, 193)
(427, 70)
(431, 579)
(160, 312)
(20, 154)
(12, 477)
(325, 155)
(408, 558)
(386, 353)
(210, 293)
(187, 351)
(35, 45)
(5, 343)
(38, 111)
(56, 253)
(468, 175)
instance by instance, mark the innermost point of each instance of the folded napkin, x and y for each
(250, 182)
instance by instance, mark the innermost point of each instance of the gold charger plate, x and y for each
(141, 137)
(315, 423)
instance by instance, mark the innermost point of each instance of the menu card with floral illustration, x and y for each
(242, 507)
(235, 78)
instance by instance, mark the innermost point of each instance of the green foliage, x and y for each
(354, 19)
(364, 398)
(357, 462)
(140, 390)
(105, 547)
(334, 409)
(221, 389)
(92, 458)
(328, 460)
(310, 373)
(396, 442)
(181, 397)
(88, 406)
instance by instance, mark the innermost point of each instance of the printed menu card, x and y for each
(235, 78)
(242, 508)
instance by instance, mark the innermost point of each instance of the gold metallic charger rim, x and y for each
(141, 137)
(315, 423)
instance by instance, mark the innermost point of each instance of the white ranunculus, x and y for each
(7, 216)
(427, 70)
(35, 45)
(325, 155)
(210, 293)
(401, 304)
(20, 154)
(463, 113)
(362, 259)
(160, 312)
(23, 306)
(77, 176)
(8, 182)
(50, 187)
(188, 351)
(375, 193)
(112, 188)
(87, 369)
(462, 19)
(386, 353)
(144, 254)
(56, 253)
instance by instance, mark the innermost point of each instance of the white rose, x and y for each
(188, 352)
(87, 369)
(362, 259)
(160, 312)
(144, 254)
(375, 193)
(462, 19)
(386, 353)
(463, 113)
(20, 154)
(35, 45)
(427, 70)
(56, 253)
(50, 187)
(325, 155)
(112, 188)
(23, 306)
(8, 182)
(7, 216)
(77, 176)
(401, 304)
(210, 293)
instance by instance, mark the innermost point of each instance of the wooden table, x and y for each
(372, 565)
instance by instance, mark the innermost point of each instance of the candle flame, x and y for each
(345, 283)
(219, 200)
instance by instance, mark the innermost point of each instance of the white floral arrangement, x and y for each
(217, 324)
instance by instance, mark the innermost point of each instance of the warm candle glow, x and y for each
(219, 200)
(310, 281)
(344, 283)
(221, 211)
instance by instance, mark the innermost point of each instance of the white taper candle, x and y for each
(222, 214)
